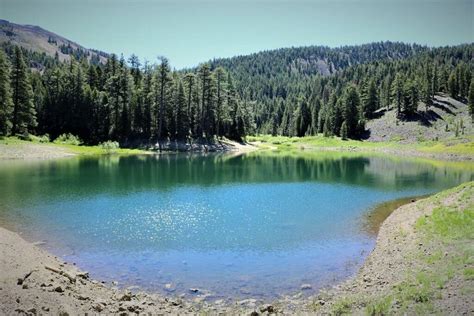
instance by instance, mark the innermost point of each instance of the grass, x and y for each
(82, 150)
(447, 254)
(283, 143)
(379, 307)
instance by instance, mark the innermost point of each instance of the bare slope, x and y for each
(439, 122)
(40, 40)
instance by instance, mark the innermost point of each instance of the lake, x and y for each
(256, 225)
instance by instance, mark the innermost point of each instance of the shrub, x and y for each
(40, 139)
(109, 146)
(68, 139)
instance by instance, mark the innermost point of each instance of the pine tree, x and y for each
(24, 114)
(148, 102)
(220, 77)
(6, 103)
(370, 100)
(471, 100)
(351, 106)
(435, 86)
(398, 92)
(411, 98)
(190, 82)
(162, 91)
(344, 131)
(207, 111)
(453, 85)
(182, 120)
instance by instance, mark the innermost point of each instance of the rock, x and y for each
(170, 287)
(254, 313)
(46, 309)
(126, 297)
(98, 307)
(24, 286)
(82, 298)
(58, 289)
(306, 287)
(193, 290)
(32, 310)
(320, 302)
(267, 308)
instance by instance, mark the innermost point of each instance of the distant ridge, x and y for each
(37, 39)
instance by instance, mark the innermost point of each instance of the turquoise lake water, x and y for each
(253, 225)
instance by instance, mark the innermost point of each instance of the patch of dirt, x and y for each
(33, 151)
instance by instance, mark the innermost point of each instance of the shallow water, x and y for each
(254, 225)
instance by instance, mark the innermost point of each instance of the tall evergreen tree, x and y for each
(471, 100)
(163, 81)
(351, 106)
(220, 77)
(6, 103)
(398, 93)
(24, 114)
(182, 119)
(370, 100)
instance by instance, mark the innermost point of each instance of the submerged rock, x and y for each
(306, 287)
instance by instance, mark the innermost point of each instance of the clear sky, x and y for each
(189, 32)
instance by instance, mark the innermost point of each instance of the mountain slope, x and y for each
(39, 40)
(286, 67)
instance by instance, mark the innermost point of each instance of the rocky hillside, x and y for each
(446, 118)
(39, 40)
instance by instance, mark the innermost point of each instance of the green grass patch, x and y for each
(449, 223)
(452, 146)
(379, 307)
(469, 273)
(342, 306)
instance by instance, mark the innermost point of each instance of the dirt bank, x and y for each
(422, 263)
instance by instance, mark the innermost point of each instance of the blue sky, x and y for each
(189, 32)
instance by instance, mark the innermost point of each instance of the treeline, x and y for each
(291, 92)
(309, 90)
(120, 101)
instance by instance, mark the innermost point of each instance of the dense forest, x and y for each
(309, 90)
(292, 91)
(120, 100)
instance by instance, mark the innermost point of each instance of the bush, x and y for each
(40, 139)
(68, 139)
(109, 146)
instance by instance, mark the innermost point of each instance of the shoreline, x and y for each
(37, 282)
(14, 149)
